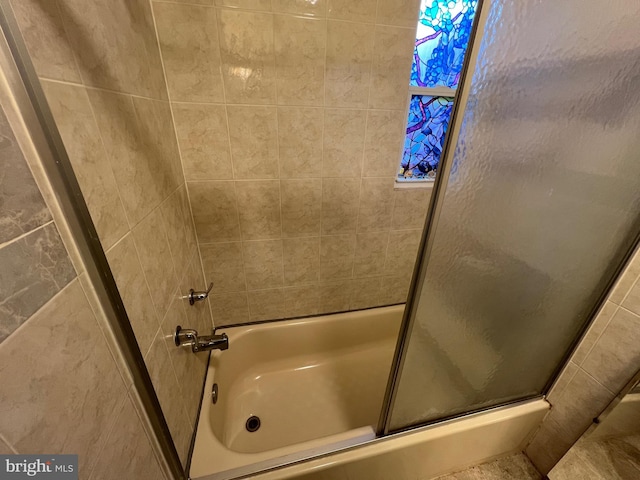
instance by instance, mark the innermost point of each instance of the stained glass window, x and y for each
(442, 37)
(428, 121)
(444, 27)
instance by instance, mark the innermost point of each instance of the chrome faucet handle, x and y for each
(185, 336)
(199, 296)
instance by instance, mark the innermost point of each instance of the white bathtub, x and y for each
(317, 386)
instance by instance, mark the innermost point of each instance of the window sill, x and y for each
(420, 184)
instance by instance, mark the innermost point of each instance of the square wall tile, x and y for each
(75, 121)
(340, 200)
(266, 304)
(229, 308)
(193, 74)
(366, 293)
(135, 294)
(371, 251)
(353, 10)
(632, 300)
(43, 31)
(34, 269)
(317, 8)
(22, 207)
(301, 207)
(402, 252)
(178, 225)
(391, 69)
(348, 68)
(64, 400)
(383, 142)
(223, 265)
(376, 204)
(259, 208)
(254, 141)
(215, 213)
(258, 5)
(410, 207)
(301, 301)
(299, 49)
(343, 142)
(263, 263)
(203, 136)
(300, 141)
(335, 296)
(337, 257)
(248, 61)
(301, 260)
(401, 13)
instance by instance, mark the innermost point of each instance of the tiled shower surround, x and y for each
(289, 117)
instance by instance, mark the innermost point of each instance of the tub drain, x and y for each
(253, 423)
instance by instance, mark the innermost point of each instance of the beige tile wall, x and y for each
(100, 66)
(62, 389)
(290, 118)
(607, 358)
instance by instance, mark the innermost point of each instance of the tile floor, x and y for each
(514, 467)
(603, 459)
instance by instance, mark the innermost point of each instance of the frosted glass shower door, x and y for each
(542, 204)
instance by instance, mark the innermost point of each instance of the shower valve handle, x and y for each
(199, 296)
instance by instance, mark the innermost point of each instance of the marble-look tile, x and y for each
(152, 244)
(371, 251)
(366, 293)
(337, 257)
(395, 289)
(410, 207)
(43, 32)
(22, 207)
(301, 301)
(259, 208)
(348, 64)
(615, 357)
(626, 280)
(223, 265)
(343, 142)
(266, 304)
(198, 314)
(188, 36)
(177, 225)
(229, 309)
(263, 263)
(300, 142)
(135, 294)
(188, 223)
(203, 136)
(195, 2)
(353, 10)
(572, 467)
(402, 252)
(376, 204)
(562, 382)
(254, 141)
(299, 50)
(610, 458)
(334, 296)
(301, 260)
(248, 61)
(582, 400)
(315, 8)
(189, 368)
(340, 200)
(215, 213)
(75, 121)
(139, 143)
(116, 46)
(632, 300)
(258, 5)
(401, 13)
(601, 321)
(61, 394)
(383, 142)
(127, 452)
(511, 467)
(169, 393)
(391, 67)
(301, 207)
(34, 269)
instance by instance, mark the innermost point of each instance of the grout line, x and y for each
(26, 234)
(4, 440)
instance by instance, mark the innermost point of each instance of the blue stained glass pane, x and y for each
(443, 33)
(426, 128)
